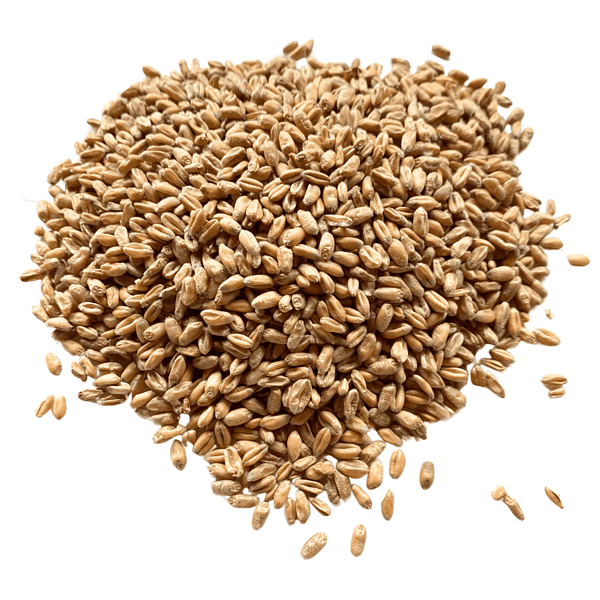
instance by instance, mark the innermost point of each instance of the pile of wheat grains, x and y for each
(274, 262)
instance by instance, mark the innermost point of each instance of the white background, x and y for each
(90, 508)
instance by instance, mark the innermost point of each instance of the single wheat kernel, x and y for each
(499, 493)
(362, 497)
(554, 497)
(515, 509)
(260, 514)
(578, 260)
(426, 475)
(357, 543)
(557, 392)
(440, 52)
(397, 463)
(387, 505)
(44, 406)
(59, 408)
(53, 363)
(178, 455)
(313, 546)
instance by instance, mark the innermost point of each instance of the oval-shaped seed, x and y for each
(355, 469)
(44, 406)
(387, 505)
(499, 493)
(546, 337)
(359, 537)
(558, 392)
(397, 463)
(243, 500)
(515, 509)
(492, 384)
(282, 493)
(362, 497)
(370, 452)
(554, 497)
(53, 363)
(178, 455)
(59, 407)
(233, 462)
(302, 507)
(236, 417)
(553, 380)
(375, 475)
(426, 475)
(290, 511)
(260, 515)
(578, 260)
(313, 546)
(226, 487)
(320, 505)
(343, 485)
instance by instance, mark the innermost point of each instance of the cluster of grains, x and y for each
(57, 405)
(272, 261)
(555, 384)
(499, 493)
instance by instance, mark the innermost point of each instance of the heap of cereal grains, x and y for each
(293, 257)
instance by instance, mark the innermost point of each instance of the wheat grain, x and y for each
(260, 515)
(314, 545)
(178, 455)
(397, 464)
(359, 538)
(514, 507)
(554, 497)
(375, 475)
(362, 497)
(53, 363)
(578, 260)
(426, 475)
(59, 407)
(45, 406)
(499, 493)
(387, 505)
(440, 52)
(557, 392)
